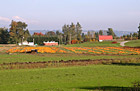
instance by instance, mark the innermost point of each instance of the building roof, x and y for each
(35, 33)
(105, 37)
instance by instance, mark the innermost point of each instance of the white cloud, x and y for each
(4, 19)
(17, 18)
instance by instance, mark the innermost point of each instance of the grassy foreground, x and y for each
(76, 78)
(69, 79)
(133, 43)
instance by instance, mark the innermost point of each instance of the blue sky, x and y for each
(53, 14)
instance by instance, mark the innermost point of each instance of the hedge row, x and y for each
(40, 39)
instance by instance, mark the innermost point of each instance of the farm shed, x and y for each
(26, 43)
(52, 43)
(105, 37)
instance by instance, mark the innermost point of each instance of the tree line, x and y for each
(18, 32)
(69, 33)
(72, 33)
(132, 36)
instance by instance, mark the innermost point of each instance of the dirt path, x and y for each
(123, 43)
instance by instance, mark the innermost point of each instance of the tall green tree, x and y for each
(18, 32)
(59, 35)
(50, 34)
(89, 34)
(100, 32)
(135, 34)
(111, 32)
(96, 35)
(78, 31)
(4, 35)
(69, 32)
(27, 34)
(139, 32)
(13, 34)
(83, 36)
(66, 31)
(73, 34)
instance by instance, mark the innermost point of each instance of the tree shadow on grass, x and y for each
(127, 64)
(111, 88)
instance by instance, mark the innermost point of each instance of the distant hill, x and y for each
(118, 33)
(121, 33)
(38, 31)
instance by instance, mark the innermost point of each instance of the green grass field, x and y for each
(6, 58)
(95, 44)
(84, 78)
(133, 43)
(72, 78)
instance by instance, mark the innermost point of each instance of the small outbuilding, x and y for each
(105, 38)
(52, 43)
(26, 43)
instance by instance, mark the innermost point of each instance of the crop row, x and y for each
(89, 50)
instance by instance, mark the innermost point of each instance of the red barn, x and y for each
(105, 37)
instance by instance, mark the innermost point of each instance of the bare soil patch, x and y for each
(61, 63)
